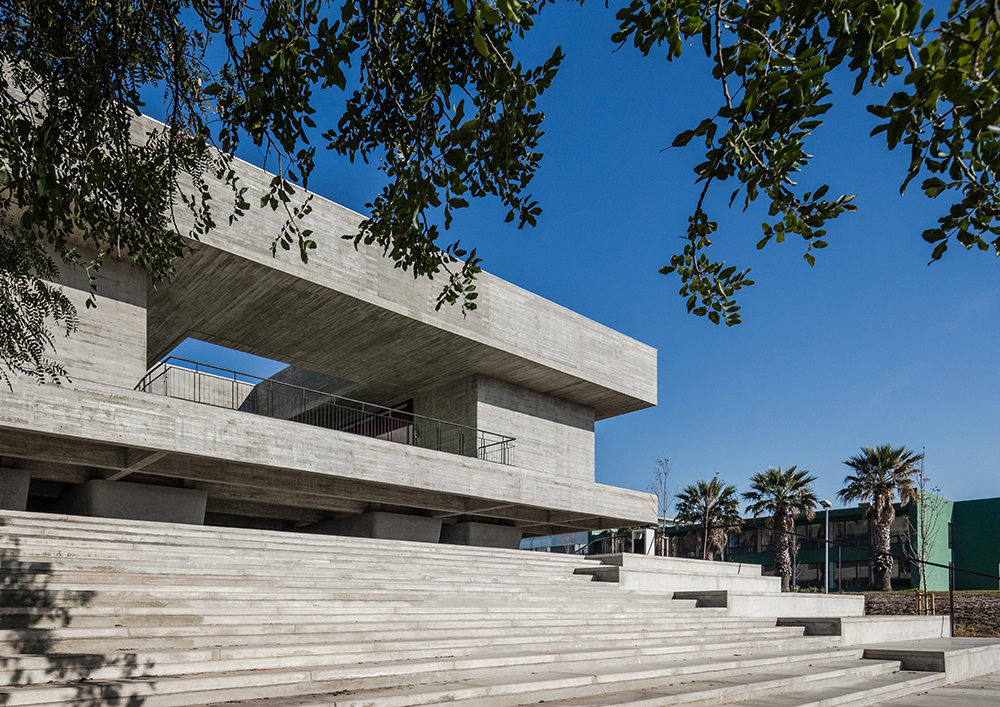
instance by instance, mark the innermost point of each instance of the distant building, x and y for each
(963, 532)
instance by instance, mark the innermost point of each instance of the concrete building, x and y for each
(392, 419)
(396, 422)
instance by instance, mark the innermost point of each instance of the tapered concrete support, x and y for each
(14, 489)
(382, 525)
(482, 535)
(119, 499)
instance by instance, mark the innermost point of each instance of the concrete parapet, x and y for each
(958, 658)
(779, 603)
(481, 535)
(861, 630)
(14, 489)
(673, 574)
(382, 525)
(120, 499)
(657, 563)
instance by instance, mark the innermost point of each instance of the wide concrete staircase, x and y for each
(114, 612)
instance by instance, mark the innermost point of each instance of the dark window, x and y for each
(899, 532)
(856, 533)
(743, 542)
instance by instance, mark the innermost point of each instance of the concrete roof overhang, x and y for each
(349, 313)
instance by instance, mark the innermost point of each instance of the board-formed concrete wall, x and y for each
(110, 344)
(454, 401)
(552, 435)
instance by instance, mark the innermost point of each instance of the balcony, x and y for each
(211, 385)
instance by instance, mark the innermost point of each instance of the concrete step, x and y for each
(374, 632)
(275, 621)
(206, 541)
(111, 575)
(855, 693)
(767, 687)
(983, 691)
(740, 602)
(15, 642)
(391, 665)
(386, 589)
(11, 619)
(45, 525)
(40, 561)
(27, 616)
(662, 574)
(496, 691)
(293, 557)
(191, 597)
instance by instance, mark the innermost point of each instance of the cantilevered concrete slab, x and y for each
(350, 313)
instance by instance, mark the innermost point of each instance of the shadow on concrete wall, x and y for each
(32, 615)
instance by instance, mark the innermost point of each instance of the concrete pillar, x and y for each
(482, 535)
(382, 525)
(14, 489)
(120, 499)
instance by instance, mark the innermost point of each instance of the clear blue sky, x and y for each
(870, 346)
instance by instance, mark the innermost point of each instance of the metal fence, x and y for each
(221, 387)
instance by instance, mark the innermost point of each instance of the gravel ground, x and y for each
(976, 614)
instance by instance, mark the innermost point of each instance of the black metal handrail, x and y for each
(271, 398)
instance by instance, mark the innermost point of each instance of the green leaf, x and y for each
(511, 9)
(933, 186)
(488, 12)
(477, 37)
(683, 138)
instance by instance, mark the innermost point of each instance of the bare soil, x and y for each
(976, 613)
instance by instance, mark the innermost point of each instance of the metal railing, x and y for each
(225, 388)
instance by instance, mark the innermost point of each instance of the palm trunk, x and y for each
(782, 558)
(882, 563)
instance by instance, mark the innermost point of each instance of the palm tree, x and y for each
(879, 474)
(712, 505)
(782, 496)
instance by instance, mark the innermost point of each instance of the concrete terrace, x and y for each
(107, 612)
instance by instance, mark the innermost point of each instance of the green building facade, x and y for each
(975, 539)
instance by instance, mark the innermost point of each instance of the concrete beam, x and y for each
(213, 444)
(26, 444)
(136, 459)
